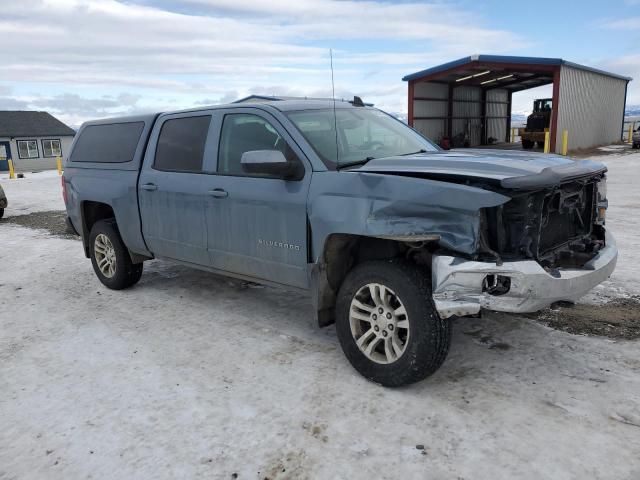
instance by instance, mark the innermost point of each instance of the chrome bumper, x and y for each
(457, 283)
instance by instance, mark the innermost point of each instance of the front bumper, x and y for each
(458, 283)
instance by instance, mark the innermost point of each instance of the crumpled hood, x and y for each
(513, 168)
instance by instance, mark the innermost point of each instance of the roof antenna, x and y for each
(335, 118)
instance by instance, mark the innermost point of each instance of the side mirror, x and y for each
(267, 162)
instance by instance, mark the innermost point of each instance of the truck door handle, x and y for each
(218, 193)
(149, 186)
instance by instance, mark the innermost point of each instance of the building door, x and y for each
(5, 156)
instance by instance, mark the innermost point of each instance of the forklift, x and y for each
(537, 124)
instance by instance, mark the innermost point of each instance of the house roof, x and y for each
(26, 123)
(535, 63)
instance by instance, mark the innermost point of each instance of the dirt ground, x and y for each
(53, 221)
(192, 375)
(619, 318)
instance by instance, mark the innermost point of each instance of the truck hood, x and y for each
(511, 168)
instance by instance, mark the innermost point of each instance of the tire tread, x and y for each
(127, 272)
(433, 341)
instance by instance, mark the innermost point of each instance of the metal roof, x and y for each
(514, 73)
(26, 123)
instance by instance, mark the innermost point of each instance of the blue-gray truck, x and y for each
(391, 235)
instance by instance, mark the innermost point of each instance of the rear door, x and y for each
(173, 187)
(257, 224)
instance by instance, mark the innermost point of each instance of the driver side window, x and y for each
(242, 133)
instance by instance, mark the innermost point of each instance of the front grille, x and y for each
(546, 224)
(567, 214)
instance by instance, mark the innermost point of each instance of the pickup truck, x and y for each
(635, 142)
(392, 236)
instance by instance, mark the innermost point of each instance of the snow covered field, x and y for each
(190, 375)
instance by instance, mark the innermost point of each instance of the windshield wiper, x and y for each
(365, 160)
(353, 164)
(422, 150)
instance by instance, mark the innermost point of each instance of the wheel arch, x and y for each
(93, 212)
(342, 252)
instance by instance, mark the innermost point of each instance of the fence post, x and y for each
(59, 165)
(513, 136)
(12, 172)
(565, 142)
(546, 141)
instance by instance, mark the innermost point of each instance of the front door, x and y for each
(172, 188)
(5, 156)
(257, 224)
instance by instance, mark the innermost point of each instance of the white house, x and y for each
(32, 140)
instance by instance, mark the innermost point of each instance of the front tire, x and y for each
(387, 324)
(110, 258)
(1, 212)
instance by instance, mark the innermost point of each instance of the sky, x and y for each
(87, 59)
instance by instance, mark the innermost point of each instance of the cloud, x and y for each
(630, 23)
(8, 103)
(74, 104)
(371, 20)
(197, 50)
(74, 109)
(628, 65)
(104, 41)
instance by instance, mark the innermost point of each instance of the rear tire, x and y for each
(110, 258)
(527, 144)
(387, 324)
(1, 212)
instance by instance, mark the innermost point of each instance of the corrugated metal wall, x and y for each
(590, 108)
(497, 107)
(467, 112)
(436, 128)
(468, 105)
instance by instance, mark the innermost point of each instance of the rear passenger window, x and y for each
(108, 143)
(181, 144)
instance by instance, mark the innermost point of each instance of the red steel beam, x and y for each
(554, 112)
(410, 105)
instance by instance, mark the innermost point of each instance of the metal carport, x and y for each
(472, 97)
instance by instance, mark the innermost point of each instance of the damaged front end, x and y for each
(560, 226)
(547, 244)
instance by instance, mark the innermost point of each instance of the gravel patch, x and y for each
(619, 318)
(53, 221)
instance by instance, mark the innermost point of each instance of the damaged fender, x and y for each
(390, 207)
(396, 207)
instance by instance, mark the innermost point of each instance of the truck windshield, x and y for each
(362, 135)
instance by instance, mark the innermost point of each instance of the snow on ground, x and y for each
(40, 191)
(190, 375)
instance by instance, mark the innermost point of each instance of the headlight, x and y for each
(602, 189)
(602, 204)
